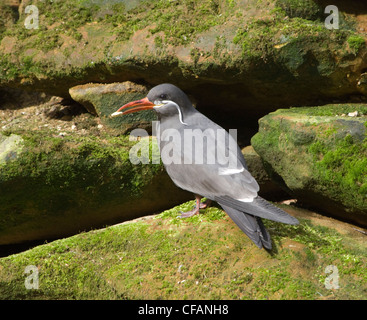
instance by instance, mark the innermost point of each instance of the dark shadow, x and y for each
(9, 249)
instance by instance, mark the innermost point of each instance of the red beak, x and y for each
(138, 105)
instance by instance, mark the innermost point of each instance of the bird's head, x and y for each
(166, 99)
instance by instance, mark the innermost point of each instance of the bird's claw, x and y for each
(188, 213)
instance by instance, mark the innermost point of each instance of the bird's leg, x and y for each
(196, 209)
(205, 204)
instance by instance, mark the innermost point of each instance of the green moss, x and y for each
(275, 36)
(159, 259)
(10, 69)
(292, 29)
(342, 165)
(73, 13)
(269, 39)
(8, 17)
(195, 55)
(25, 67)
(47, 41)
(256, 39)
(318, 149)
(178, 23)
(330, 110)
(68, 175)
(158, 41)
(306, 9)
(356, 42)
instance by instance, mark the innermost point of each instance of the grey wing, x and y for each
(204, 180)
(259, 207)
(213, 167)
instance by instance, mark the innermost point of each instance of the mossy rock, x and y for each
(268, 188)
(59, 186)
(163, 257)
(319, 154)
(238, 54)
(104, 99)
(306, 9)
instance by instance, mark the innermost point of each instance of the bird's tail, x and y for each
(259, 207)
(252, 226)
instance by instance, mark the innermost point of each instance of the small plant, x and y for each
(307, 9)
(356, 42)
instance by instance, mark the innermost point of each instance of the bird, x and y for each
(203, 158)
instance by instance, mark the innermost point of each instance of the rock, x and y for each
(10, 147)
(353, 114)
(362, 83)
(63, 183)
(204, 257)
(104, 99)
(319, 157)
(63, 109)
(268, 188)
(227, 53)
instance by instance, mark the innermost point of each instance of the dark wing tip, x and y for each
(251, 226)
(259, 207)
(293, 221)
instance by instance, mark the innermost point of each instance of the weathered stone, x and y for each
(268, 188)
(61, 185)
(163, 257)
(104, 99)
(235, 54)
(232, 56)
(319, 154)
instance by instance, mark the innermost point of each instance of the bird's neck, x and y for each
(176, 118)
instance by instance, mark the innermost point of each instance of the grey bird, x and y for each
(203, 158)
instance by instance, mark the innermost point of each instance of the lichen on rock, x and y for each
(319, 154)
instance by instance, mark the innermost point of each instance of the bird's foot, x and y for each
(205, 204)
(189, 213)
(196, 210)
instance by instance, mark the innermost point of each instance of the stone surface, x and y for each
(239, 59)
(205, 257)
(104, 99)
(320, 155)
(268, 188)
(231, 55)
(62, 184)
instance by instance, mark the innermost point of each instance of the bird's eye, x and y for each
(163, 96)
